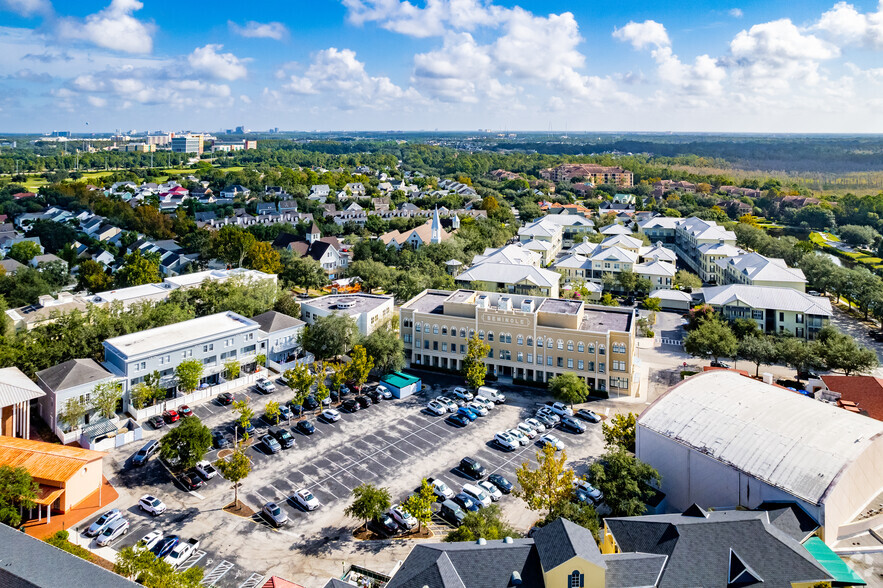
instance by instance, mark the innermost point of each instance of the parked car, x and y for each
(152, 505)
(282, 436)
(720, 364)
(305, 499)
(305, 427)
(436, 408)
(584, 491)
(331, 415)
(150, 540)
(449, 404)
(471, 468)
(363, 401)
(527, 430)
(171, 416)
(477, 494)
(384, 391)
(458, 420)
(225, 398)
(466, 502)
(374, 395)
(467, 412)
(551, 440)
(491, 490)
(386, 525)
(165, 546)
(220, 440)
(103, 521)
(350, 405)
(440, 489)
(185, 411)
(310, 403)
(265, 385)
(463, 394)
(545, 419)
(274, 513)
(492, 394)
(505, 441)
(519, 436)
(191, 481)
(477, 408)
(560, 408)
(875, 335)
(488, 404)
(182, 552)
(143, 454)
(271, 444)
(547, 413)
(588, 415)
(249, 428)
(572, 425)
(285, 412)
(156, 422)
(452, 512)
(404, 519)
(500, 482)
(206, 470)
(116, 529)
(536, 425)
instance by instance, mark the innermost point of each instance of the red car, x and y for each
(171, 416)
(185, 411)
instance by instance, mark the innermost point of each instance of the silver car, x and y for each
(116, 529)
(275, 514)
(102, 522)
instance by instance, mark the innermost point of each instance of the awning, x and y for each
(843, 574)
(47, 495)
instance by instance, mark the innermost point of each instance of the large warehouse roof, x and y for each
(787, 440)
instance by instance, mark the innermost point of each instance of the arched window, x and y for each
(570, 345)
(549, 343)
(591, 348)
(529, 341)
(481, 335)
(575, 579)
(471, 333)
(560, 344)
(580, 346)
(454, 331)
(601, 350)
(519, 340)
(508, 337)
(444, 330)
(426, 328)
(539, 342)
(435, 329)
(463, 333)
(417, 327)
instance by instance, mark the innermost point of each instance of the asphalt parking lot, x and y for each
(394, 444)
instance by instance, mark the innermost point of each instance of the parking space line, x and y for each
(219, 571)
(253, 581)
(278, 491)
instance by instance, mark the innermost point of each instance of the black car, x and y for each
(720, 364)
(364, 401)
(305, 427)
(311, 403)
(466, 502)
(588, 415)
(571, 425)
(225, 398)
(157, 422)
(282, 436)
(875, 335)
(385, 525)
(220, 440)
(334, 396)
(471, 468)
(458, 420)
(350, 405)
(145, 452)
(500, 482)
(191, 480)
(374, 395)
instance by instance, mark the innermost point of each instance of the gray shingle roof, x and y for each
(272, 321)
(562, 540)
(633, 570)
(72, 373)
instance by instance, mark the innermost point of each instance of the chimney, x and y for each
(767, 378)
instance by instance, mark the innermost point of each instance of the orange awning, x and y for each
(47, 495)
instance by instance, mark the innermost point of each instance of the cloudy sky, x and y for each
(699, 65)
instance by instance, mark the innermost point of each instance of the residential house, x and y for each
(235, 191)
(513, 253)
(278, 336)
(515, 279)
(45, 311)
(326, 250)
(596, 174)
(73, 379)
(430, 232)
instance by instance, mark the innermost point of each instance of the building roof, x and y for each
(616, 229)
(10, 265)
(673, 295)
(277, 582)
(340, 303)
(832, 563)
(660, 222)
(72, 373)
(272, 321)
(656, 268)
(15, 387)
(865, 391)
(507, 273)
(658, 252)
(758, 267)
(512, 253)
(28, 562)
(631, 570)
(767, 297)
(562, 540)
(622, 240)
(46, 461)
(705, 548)
(168, 336)
(399, 379)
(782, 438)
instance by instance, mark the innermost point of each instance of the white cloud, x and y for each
(703, 78)
(112, 28)
(432, 20)
(259, 30)
(28, 7)
(847, 25)
(735, 12)
(224, 66)
(96, 101)
(643, 34)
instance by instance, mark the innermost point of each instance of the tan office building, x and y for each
(531, 337)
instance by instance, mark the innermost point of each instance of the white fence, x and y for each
(281, 367)
(194, 397)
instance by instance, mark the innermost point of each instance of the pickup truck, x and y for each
(182, 552)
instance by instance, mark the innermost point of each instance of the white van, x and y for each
(114, 531)
(478, 494)
(491, 394)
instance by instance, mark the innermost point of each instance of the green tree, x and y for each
(138, 269)
(92, 276)
(330, 336)
(322, 391)
(260, 359)
(686, 280)
(859, 235)
(627, 280)
(139, 563)
(24, 251)
(386, 347)
(798, 354)
(300, 380)
(232, 244)
(287, 304)
(17, 491)
(583, 515)
(488, 523)
(337, 375)
(569, 388)
(235, 468)
(545, 487)
(263, 258)
(474, 369)
(359, 367)
(60, 539)
(652, 304)
(712, 338)
(73, 412)
(608, 300)
(625, 482)
(840, 351)
(369, 502)
(758, 349)
(232, 369)
(244, 411)
(620, 432)
(105, 398)
(188, 373)
(187, 443)
(419, 504)
(745, 327)
(271, 411)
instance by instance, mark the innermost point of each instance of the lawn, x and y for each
(34, 182)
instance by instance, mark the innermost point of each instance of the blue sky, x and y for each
(745, 66)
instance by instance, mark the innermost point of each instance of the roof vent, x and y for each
(695, 511)
(344, 303)
(481, 541)
(508, 539)
(515, 579)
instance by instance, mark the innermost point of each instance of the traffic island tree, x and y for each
(17, 491)
(189, 372)
(187, 443)
(488, 523)
(547, 486)
(474, 368)
(271, 411)
(359, 367)
(369, 502)
(245, 413)
(712, 338)
(300, 380)
(620, 431)
(625, 481)
(234, 469)
(419, 504)
(140, 564)
(105, 398)
(569, 388)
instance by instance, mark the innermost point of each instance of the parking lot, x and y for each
(393, 444)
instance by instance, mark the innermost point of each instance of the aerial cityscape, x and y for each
(441, 294)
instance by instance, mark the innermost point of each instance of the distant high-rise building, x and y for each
(61, 133)
(188, 144)
(241, 130)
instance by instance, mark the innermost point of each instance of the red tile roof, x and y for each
(865, 391)
(277, 582)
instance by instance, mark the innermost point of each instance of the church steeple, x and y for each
(436, 228)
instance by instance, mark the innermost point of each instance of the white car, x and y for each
(403, 518)
(585, 490)
(265, 385)
(441, 489)
(547, 412)
(305, 499)
(537, 425)
(331, 415)
(519, 436)
(152, 504)
(553, 441)
(206, 470)
(478, 408)
(486, 402)
(151, 539)
(560, 409)
(449, 404)
(477, 494)
(182, 552)
(491, 490)
(525, 428)
(384, 391)
(112, 532)
(506, 441)
(463, 394)
(436, 408)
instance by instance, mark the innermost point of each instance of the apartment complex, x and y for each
(531, 337)
(754, 269)
(596, 174)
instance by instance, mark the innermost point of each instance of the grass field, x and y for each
(34, 182)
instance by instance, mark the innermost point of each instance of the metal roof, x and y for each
(787, 440)
(16, 387)
(767, 297)
(45, 461)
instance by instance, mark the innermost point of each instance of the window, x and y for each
(529, 341)
(247, 350)
(209, 347)
(417, 327)
(560, 362)
(798, 318)
(549, 360)
(619, 382)
(539, 342)
(591, 348)
(757, 315)
(519, 340)
(580, 347)
(508, 337)
(164, 359)
(426, 328)
(601, 350)
(406, 337)
(600, 367)
(435, 329)
(140, 366)
(249, 337)
(481, 335)
(570, 345)
(462, 349)
(454, 332)
(560, 344)
(444, 330)
(579, 364)
(186, 354)
(490, 353)
(471, 333)
(435, 345)
(617, 365)
(209, 360)
(539, 359)
(463, 333)
(228, 342)
(444, 346)
(781, 317)
(569, 363)
(520, 357)
(530, 358)
(490, 336)
(425, 344)
(798, 332)
(575, 580)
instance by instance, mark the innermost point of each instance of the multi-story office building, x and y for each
(188, 144)
(531, 337)
(213, 340)
(368, 310)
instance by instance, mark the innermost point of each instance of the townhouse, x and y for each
(755, 269)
